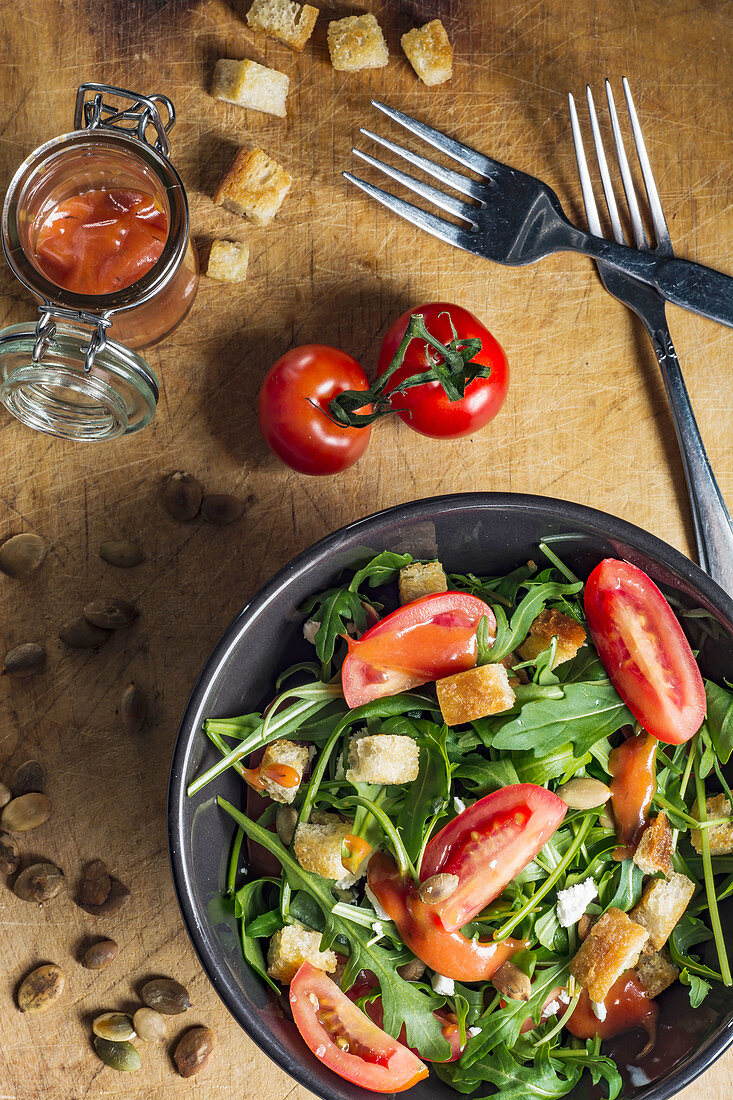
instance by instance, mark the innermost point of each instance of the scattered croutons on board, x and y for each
(662, 904)
(612, 946)
(429, 52)
(551, 624)
(291, 947)
(383, 758)
(720, 836)
(469, 695)
(251, 85)
(228, 261)
(421, 578)
(357, 42)
(317, 846)
(654, 850)
(254, 187)
(656, 972)
(285, 20)
(293, 756)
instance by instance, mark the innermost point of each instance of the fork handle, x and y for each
(713, 526)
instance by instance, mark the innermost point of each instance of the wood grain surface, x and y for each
(586, 418)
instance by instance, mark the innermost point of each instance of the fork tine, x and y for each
(461, 183)
(446, 231)
(452, 205)
(660, 225)
(464, 154)
(623, 163)
(589, 200)
(616, 226)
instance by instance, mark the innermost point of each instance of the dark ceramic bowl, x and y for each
(477, 532)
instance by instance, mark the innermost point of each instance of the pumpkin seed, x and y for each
(512, 982)
(118, 896)
(79, 633)
(110, 614)
(38, 883)
(182, 496)
(134, 709)
(26, 812)
(9, 854)
(412, 971)
(5, 795)
(122, 553)
(221, 509)
(100, 954)
(27, 777)
(120, 1056)
(114, 1026)
(25, 659)
(286, 819)
(96, 884)
(150, 1025)
(40, 988)
(605, 818)
(22, 554)
(193, 1051)
(166, 996)
(437, 888)
(584, 794)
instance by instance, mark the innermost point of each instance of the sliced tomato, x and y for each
(644, 651)
(633, 767)
(627, 1006)
(346, 1040)
(488, 845)
(374, 1011)
(449, 953)
(425, 640)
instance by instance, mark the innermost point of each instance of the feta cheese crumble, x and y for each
(444, 986)
(310, 629)
(573, 902)
(376, 903)
(459, 805)
(599, 1010)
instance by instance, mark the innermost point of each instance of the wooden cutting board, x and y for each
(585, 419)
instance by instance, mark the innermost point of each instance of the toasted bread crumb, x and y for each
(356, 42)
(317, 847)
(662, 904)
(251, 85)
(551, 624)
(283, 752)
(383, 758)
(421, 578)
(656, 972)
(285, 20)
(228, 261)
(291, 947)
(474, 694)
(612, 946)
(429, 52)
(254, 187)
(654, 850)
(720, 836)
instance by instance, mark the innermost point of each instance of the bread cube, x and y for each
(720, 836)
(662, 904)
(553, 624)
(612, 946)
(357, 42)
(656, 972)
(317, 846)
(254, 187)
(293, 756)
(228, 261)
(383, 758)
(429, 52)
(421, 578)
(285, 20)
(474, 694)
(654, 850)
(291, 947)
(251, 85)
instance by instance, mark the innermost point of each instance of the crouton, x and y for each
(662, 904)
(383, 758)
(251, 85)
(291, 947)
(656, 972)
(295, 758)
(720, 836)
(429, 52)
(474, 694)
(654, 850)
(421, 578)
(228, 261)
(613, 945)
(285, 20)
(553, 624)
(317, 847)
(357, 42)
(254, 187)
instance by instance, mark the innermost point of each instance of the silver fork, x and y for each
(712, 522)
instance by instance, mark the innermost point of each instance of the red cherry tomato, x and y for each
(449, 953)
(346, 1040)
(488, 844)
(293, 406)
(644, 651)
(427, 408)
(425, 640)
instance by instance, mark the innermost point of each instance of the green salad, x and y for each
(500, 824)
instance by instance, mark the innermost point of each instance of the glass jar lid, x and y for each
(60, 393)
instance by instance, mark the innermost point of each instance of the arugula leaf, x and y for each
(427, 797)
(403, 1002)
(541, 1079)
(587, 712)
(511, 634)
(249, 904)
(599, 1066)
(382, 569)
(628, 891)
(698, 987)
(335, 609)
(485, 775)
(719, 719)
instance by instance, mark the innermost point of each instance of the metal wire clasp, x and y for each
(142, 111)
(46, 330)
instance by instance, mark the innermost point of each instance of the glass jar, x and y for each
(64, 375)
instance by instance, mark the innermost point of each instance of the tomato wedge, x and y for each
(425, 640)
(449, 953)
(488, 845)
(346, 1040)
(644, 651)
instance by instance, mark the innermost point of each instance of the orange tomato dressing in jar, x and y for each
(100, 241)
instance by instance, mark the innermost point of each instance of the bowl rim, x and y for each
(609, 525)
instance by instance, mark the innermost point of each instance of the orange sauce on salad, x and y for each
(633, 767)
